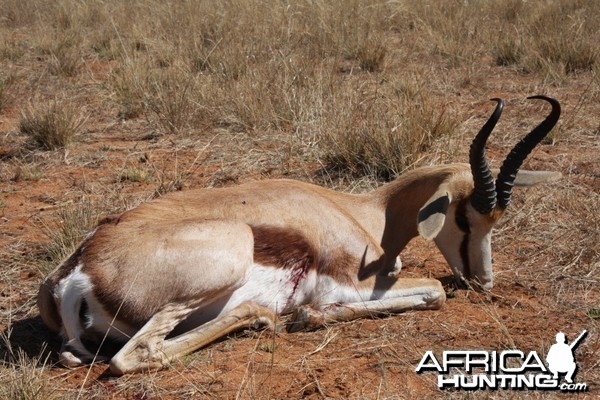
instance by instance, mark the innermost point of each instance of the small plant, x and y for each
(27, 172)
(62, 51)
(3, 94)
(593, 313)
(26, 378)
(134, 174)
(509, 52)
(371, 57)
(169, 99)
(267, 346)
(51, 127)
(12, 49)
(575, 56)
(64, 62)
(129, 83)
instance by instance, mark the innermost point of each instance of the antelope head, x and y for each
(460, 215)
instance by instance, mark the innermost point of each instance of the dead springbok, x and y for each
(199, 264)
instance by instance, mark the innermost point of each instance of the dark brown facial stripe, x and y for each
(463, 224)
(83, 312)
(464, 255)
(461, 217)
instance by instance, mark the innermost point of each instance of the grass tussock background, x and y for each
(104, 104)
(334, 74)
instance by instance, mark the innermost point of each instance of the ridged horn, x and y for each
(484, 195)
(512, 163)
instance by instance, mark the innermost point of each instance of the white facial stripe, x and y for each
(449, 241)
(480, 248)
(480, 256)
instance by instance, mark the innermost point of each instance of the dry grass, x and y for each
(347, 94)
(384, 134)
(67, 231)
(51, 126)
(27, 171)
(6, 84)
(25, 378)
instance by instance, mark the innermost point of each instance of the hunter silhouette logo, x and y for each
(560, 357)
(508, 369)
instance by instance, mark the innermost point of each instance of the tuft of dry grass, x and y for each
(66, 230)
(386, 133)
(134, 174)
(553, 223)
(27, 172)
(51, 126)
(128, 82)
(169, 98)
(26, 378)
(555, 40)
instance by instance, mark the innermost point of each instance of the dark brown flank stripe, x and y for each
(463, 225)
(282, 248)
(290, 249)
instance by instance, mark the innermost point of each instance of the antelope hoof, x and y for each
(73, 354)
(306, 318)
(263, 323)
(395, 272)
(69, 360)
(138, 357)
(392, 271)
(121, 366)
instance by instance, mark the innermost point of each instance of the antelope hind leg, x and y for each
(148, 349)
(417, 294)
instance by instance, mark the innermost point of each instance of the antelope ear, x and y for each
(530, 178)
(432, 215)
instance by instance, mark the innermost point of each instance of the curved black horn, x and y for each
(484, 195)
(512, 163)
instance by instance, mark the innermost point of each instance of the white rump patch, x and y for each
(70, 292)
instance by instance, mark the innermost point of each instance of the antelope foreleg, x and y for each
(430, 298)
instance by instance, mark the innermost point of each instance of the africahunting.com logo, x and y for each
(508, 369)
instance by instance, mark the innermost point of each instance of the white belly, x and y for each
(279, 289)
(276, 288)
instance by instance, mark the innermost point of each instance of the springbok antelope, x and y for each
(176, 273)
